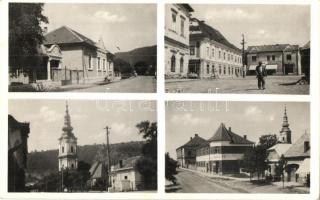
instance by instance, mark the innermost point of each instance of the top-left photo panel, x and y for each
(63, 47)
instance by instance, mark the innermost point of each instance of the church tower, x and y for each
(67, 145)
(285, 133)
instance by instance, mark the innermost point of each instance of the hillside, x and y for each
(143, 60)
(46, 161)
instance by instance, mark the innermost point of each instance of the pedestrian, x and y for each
(261, 73)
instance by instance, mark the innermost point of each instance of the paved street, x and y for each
(191, 182)
(140, 84)
(239, 85)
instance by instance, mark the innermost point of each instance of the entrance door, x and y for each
(288, 68)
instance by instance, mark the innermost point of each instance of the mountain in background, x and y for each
(143, 60)
(44, 162)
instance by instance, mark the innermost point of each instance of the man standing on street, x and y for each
(261, 73)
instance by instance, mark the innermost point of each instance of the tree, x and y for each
(147, 165)
(171, 168)
(25, 35)
(267, 141)
(248, 162)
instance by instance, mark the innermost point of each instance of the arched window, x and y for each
(62, 149)
(72, 149)
(181, 65)
(173, 63)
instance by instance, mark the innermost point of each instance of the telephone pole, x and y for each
(108, 154)
(243, 57)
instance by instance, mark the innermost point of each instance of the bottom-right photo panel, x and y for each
(237, 147)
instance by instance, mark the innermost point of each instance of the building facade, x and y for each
(67, 157)
(126, 177)
(18, 134)
(177, 39)
(211, 54)
(186, 154)
(83, 60)
(223, 153)
(280, 59)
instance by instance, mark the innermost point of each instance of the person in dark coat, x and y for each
(261, 73)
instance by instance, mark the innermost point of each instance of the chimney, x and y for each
(229, 129)
(120, 163)
(190, 138)
(245, 137)
(45, 30)
(196, 135)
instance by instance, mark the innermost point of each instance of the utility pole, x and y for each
(243, 57)
(108, 154)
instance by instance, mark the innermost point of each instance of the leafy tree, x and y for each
(147, 165)
(122, 66)
(248, 162)
(267, 141)
(25, 35)
(171, 168)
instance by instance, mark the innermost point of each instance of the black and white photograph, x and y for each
(82, 146)
(99, 48)
(237, 147)
(255, 49)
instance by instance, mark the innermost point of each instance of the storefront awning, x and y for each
(272, 67)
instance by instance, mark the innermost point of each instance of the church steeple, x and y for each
(67, 157)
(285, 133)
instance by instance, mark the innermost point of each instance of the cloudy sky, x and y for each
(88, 119)
(127, 26)
(261, 24)
(253, 119)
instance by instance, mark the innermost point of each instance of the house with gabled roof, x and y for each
(223, 152)
(280, 59)
(186, 154)
(211, 54)
(83, 60)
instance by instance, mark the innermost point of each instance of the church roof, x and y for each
(223, 134)
(297, 149)
(196, 141)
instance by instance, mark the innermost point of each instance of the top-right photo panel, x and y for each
(243, 49)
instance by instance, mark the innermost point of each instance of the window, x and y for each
(174, 20)
(208, 69)
(181, 65)
(306, 146)
(125, 177)
(254, 58)
(273, 57)
(173, 63)
(224, 70)
(224, 55)
(98, 64)
(72, 150)
(288, 56)
(231, 57)
(219, 54)
(212, 53)
(207, 51)
(212, 69)
(104, 65)
(220, 71)
(62, 149)
(192, 50)
(72, 166)
(90, 62)
(182, 26)
(268, 58)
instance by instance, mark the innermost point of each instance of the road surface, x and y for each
(274, 85)
(140, 84)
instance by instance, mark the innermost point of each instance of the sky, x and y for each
(88, 119)
(184, 119)
(127, 26)
(260, 24)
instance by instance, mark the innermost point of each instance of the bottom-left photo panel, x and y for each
(68, 145)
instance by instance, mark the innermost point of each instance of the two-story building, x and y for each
(211, 54)
(177, 39)
(280, 59)
(223, 152)
(186, 154)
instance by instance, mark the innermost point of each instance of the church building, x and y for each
(67, 157)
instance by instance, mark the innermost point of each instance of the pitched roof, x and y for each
(280, 148)
(204, 30)
(272, 48)
(304, 168)
(222, 134)
(65, 35)
(196, 141)
(127, 163)
(306, 46)
(98, 170)
(186, 6)
(297, 148)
